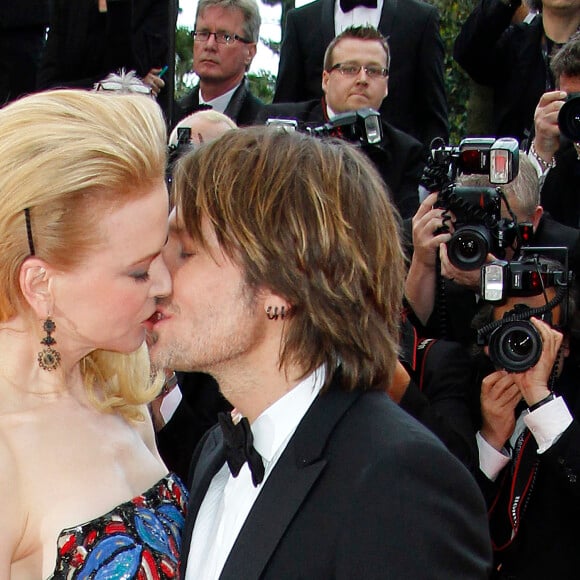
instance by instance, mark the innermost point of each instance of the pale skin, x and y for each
(234, 340)
(62, 462)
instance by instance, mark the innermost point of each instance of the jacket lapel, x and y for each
(302, 463)
(210, 462)
(387, 17)
(327, 21)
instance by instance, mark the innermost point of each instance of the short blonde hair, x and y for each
(68, 156)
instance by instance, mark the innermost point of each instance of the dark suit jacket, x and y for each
(361, 491)
(84, 46)
(416, 104)
(560, 194)
(507, 58)
(243, 107)
(197, 412)
(400, 160)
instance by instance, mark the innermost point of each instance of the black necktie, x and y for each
(239, 447)
(348, 5)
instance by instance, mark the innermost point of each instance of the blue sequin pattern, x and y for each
(140, 539)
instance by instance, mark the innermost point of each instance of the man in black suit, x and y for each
(287, 284)
(355, 76)
(417, 103)
(556, 155)
(87, 40)
(514, 59)
(224, 45)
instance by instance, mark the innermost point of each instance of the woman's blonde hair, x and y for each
(68, 156)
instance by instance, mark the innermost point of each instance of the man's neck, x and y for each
(559, 25)
(251, 390)
(212, 90)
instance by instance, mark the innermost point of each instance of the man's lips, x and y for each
(154, 319)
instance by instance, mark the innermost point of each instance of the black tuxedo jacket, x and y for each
(416, 104)
(84, 46)
(560, 191)
(361, 491)
(507, 58)
(243, 107)
(400, 161)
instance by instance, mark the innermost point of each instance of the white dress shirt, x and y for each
(220, 103)
(229, 500)
(359, 16)
(547, 423)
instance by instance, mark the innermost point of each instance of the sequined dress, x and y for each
(138, 539)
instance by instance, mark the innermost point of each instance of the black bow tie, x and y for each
(348, 5)
(239, 447)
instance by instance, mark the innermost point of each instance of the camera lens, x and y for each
(515, 346)
(569, 117)
(469, 246)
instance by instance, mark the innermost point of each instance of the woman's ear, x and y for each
(35, 284)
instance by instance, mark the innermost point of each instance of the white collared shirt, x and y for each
(359, 16)
(220, 103)
(229, 500)
(547, 423)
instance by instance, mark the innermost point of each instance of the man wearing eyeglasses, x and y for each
(417, 103)
(355, 76)
(224, 45)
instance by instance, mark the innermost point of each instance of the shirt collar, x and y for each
(279, 421)
(219, 103)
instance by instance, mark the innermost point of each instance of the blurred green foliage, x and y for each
(453, 14)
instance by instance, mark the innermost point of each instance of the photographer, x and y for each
(556, 143)
(528, 449)
(356, 76)
(513, 59)
(445, 304)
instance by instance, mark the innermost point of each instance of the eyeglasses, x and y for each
(220, 37)
(123, 87)
(351, 70)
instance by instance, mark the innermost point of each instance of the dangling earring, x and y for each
(48, 358)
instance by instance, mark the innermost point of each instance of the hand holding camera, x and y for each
(547, 137)
(533, 382)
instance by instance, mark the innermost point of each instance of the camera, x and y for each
(362, 127)
(479, 227)
(513, 341)
(569, 117)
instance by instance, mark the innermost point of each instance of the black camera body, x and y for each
(362, 127)
(569, 117)
(514, 343)
(479, 227)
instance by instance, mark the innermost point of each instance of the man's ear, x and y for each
(537, 216)
(325, 75)
(35, 284)
(251, 53)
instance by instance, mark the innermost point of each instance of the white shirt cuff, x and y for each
(491, 461)
(548, 422)
(170, 403)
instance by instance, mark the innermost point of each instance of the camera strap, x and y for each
(508, 508)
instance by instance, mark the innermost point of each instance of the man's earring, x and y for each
(275, 313)
(48, 358)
